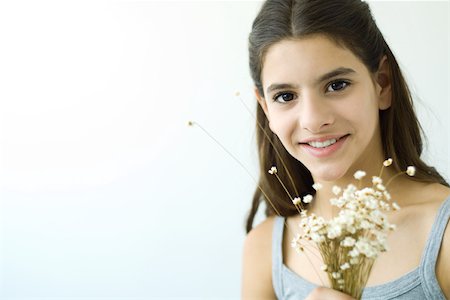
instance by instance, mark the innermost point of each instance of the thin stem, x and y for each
(271, 143)
(381, 171)
(393, 177)
(191, 123)
(284, 187)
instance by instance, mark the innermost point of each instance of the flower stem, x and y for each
(271, 143)
(192, 123)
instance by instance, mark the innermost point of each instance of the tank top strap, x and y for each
(277, 256)
(427, 268)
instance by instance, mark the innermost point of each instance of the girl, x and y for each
(333, 100)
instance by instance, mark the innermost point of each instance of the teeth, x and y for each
(322, 144)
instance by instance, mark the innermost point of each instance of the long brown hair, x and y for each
(350, 24)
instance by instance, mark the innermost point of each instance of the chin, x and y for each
(329, 174)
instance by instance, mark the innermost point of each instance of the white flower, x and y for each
(324, 267)
(334, 230)
(296, 200)
(381, 187)
(359, 175)
(273, 170)
(351, 229)
(318, 238)
(395, 206)
(387, 162)
(336, 190)
(337, 202)
(341, 282)
(371, 203)
(351, 205)
(387, 195)
(349, 192)
(345, 266)
(336, 275)
(354, 260)
(366, 224)
(308, 198)
(384, 205)
(377, 180)
(377, 217)
(348, 242)
(365, 248)
(411, 171)
(317, 186)
(295, 240)
(295, 243)
(354, 252)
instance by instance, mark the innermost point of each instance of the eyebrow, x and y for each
(336, 72)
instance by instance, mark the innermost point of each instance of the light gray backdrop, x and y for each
(105, 192)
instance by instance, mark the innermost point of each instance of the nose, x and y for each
(315, 113)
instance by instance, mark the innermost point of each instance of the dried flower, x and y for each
(336, 190)
(411, 171)
(395, 206)
(381, 187)
(387, 162)
(354, 260)
(317, 186)
(296, 200)
(348, 241)
(351, 241)
(359, 175)
(273, 170)
(308, 198)
(336, 275)
(376, 180)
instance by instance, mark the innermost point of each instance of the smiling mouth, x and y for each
(324, 144)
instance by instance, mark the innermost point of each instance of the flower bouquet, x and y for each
(350, 242)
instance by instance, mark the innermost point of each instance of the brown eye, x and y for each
(283, 97)
(337, 86)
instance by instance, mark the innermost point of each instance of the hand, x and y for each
(323, 293)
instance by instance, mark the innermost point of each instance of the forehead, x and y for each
(304, 60)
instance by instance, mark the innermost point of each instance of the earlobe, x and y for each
(383, 79)
(262, 102)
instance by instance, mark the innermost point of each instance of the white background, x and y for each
(105, 192)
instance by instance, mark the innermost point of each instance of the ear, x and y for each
(262, 102)
(383, 80)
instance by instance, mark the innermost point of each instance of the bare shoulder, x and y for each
(443, 262)
(257, 262)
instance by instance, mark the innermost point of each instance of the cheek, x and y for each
(363, 110)
(281, 125)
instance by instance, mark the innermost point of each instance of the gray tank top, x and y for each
(420, 283)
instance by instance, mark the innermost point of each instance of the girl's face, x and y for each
(323, 104)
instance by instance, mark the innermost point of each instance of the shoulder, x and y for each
(443, 262)
(257, 262)
(418, 215)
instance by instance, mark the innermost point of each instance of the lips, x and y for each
(324, 138)
(326, 151)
